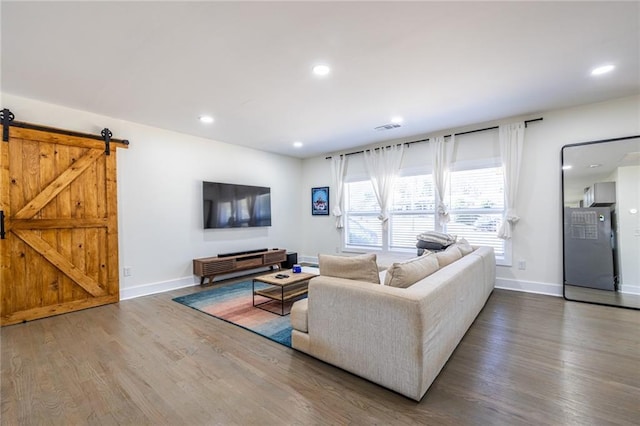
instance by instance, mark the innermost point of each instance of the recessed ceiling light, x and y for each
(602, 70)
(397, 119)
(206, 119)
(297, 144)
(594, 166)
(567, 167)
(321, 70)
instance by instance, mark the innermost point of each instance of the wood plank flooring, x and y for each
(527, 360)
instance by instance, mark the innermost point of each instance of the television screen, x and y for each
(227, 205)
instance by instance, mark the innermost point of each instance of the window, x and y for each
(476, 205)
(363, 228)
(411, 213)
(412, 210)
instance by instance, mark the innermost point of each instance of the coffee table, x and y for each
(282, 289)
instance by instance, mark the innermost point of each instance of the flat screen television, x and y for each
(227, 205)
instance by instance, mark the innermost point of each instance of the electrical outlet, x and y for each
(522, 265)
(127, 271)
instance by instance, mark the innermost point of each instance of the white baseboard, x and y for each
(159, 287)
(630, 289)
(529, 286)
(162, 286)
(503, 283)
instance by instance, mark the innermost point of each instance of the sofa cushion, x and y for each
(361, 268)
(450, 255)
(299, 315)
(464, 246)
(404, 274)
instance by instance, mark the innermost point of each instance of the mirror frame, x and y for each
(562, 173)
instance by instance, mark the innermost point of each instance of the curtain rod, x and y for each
(526, 122)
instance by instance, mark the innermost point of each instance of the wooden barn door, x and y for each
(60, 247)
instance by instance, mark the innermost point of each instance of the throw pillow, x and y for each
(424, 252)
(464, 246)
(362, 267)
(404, 274)
(450, 255)
(437, 237)
(430, 245)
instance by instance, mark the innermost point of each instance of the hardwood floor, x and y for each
(527, 359)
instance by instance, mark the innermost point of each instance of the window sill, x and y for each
(503, 262)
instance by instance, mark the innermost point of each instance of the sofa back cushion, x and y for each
(450, 255)
(464, 246)
(407, 273)
(361, 268)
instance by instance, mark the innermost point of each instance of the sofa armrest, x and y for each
(368, 329)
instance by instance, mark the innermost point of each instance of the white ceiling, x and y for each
(439, 65)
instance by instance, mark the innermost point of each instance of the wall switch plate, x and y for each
(127, 271)
(522, 265)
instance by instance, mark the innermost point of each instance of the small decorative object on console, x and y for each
(296, 269)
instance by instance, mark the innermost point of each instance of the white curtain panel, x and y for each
(511, 145)
(338, 166)
(382, 165)
(441, 153)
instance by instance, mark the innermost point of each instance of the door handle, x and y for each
(2, 234)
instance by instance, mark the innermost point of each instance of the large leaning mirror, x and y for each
(601, 216)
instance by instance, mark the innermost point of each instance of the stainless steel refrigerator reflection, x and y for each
(589, 248)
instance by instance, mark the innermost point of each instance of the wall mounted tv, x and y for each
(226, 205)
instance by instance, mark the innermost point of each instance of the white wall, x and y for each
(160, 200)
(538, 234)
(628, 227)
(160, 196)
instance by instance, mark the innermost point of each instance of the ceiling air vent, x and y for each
(387, 127)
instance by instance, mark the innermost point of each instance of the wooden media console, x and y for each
(209, 267)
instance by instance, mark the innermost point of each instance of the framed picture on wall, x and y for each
(320, 201)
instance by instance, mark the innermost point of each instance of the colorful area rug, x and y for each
(233, 303)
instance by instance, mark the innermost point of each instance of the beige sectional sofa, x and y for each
(397, 337)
